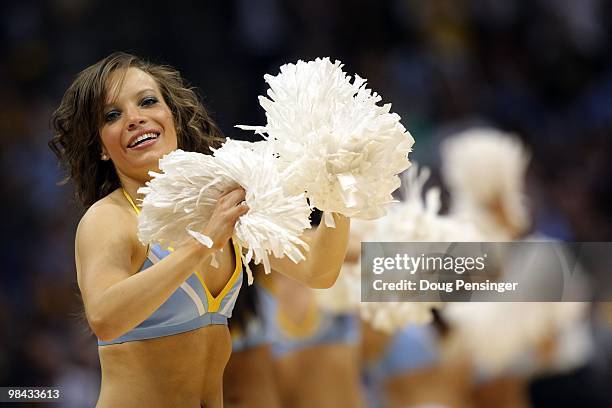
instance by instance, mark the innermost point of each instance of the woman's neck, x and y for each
(131, 186)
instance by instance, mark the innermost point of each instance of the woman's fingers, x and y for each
(238, 210)
(232, 198)
(229, 208)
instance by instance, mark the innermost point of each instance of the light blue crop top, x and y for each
(319, 327)
(190, 307)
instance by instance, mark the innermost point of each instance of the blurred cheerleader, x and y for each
(315, 351)
(401, 343)
(485, 173)
(160, 315)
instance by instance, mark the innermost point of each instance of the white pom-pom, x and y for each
(333, 140)
(484, 167)
(179, 202)
(496, 334)
(391, 317)
(417, 218)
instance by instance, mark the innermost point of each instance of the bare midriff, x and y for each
(183, 370)
(332, 379)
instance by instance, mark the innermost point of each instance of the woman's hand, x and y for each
(228, 209)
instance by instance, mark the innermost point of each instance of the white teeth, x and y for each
(143, 137)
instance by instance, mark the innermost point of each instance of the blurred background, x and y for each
(540, 68)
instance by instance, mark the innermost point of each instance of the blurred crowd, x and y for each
(541, 69)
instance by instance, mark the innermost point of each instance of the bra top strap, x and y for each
(127, 195)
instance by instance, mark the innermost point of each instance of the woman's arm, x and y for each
(116, 298)
(324, 260)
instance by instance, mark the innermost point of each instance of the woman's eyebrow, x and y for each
(143, 91)
(137, 94)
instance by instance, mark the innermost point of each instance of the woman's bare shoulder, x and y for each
(107, 214)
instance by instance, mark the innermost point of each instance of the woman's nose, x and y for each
(135, 118)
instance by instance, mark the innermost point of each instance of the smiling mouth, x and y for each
(143, 138)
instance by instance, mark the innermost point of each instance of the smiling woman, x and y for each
(89, 108)
(160, 314)
(162, 334)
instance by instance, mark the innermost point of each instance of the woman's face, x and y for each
(138, 127)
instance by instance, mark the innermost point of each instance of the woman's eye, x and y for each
(148, 101)
(111, 116)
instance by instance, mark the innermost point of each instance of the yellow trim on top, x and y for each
(127, 195)
(201, 279)
(214, 303)
(299, 330)
(198, 275)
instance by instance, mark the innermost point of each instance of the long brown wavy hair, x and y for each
(79, 117)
